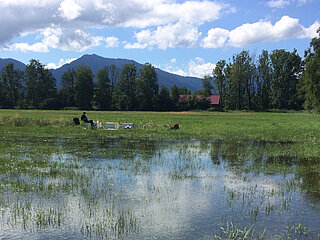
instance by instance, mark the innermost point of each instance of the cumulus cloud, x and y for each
(112, 42)
(196, 68)
(199, 68)
(134, 45)
(25, 47)
(216, 38)
(278, 3)
(60, 64)
(160, 13)
(161, 23)
(70, 10)
(169, 36)
(78, 40)
(284, 3)
(21, 16)
(70, 40)
(262, 31)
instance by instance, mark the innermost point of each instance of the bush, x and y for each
(50, 104)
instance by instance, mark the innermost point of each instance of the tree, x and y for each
(264, 81)
(310, 81)
(147, 87)
(164, 100)
(126, 94)
(67, 91)
(220, 79)
(286, 69)
(240, 82)
(10, 86)
(114, 76)
(175, 93)
(84, 87)
(39, 83)
(207, 85)
(103, 89)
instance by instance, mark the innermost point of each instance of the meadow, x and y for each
(300, 129)
(222, 175)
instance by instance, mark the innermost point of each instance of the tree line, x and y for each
(114, 89)
(275, 80)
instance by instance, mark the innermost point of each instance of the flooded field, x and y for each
(143, 189)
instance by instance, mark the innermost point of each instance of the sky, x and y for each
(183, 37)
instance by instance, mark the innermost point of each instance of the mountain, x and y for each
(96, 62)
(17, 65)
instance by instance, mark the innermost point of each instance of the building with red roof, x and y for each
(212, 99)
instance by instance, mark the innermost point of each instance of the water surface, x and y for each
(138, 189)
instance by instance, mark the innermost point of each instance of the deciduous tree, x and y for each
(84, 87)
(126, 94)
(310, 81)
(67, 91)
(147, 87)
(286, 69)
(103, 89)
(10, 86)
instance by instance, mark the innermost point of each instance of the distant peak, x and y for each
(91, 55)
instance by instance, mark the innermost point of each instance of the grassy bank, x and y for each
(302, 129)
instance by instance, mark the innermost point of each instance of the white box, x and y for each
(98, 124)
(127, 125)
(111, 125)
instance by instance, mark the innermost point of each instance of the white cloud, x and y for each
(196, 68)
(262, 31)
(284, 3)
(177, 71)
(169, 36)
(199, 68)
(134, 45)
(21, 16)
(173, 60)
(165, 24)
(112, 42)
(61, 63)
(250, 34)
(216, 38)
(278, 3)
(70, 10)
(25, 47)
(55, 38)
(160, 13)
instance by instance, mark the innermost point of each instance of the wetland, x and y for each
(118, 188)
(58, 181)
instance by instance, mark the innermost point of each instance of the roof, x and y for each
(213, 99)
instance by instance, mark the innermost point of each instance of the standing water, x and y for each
(136, 189)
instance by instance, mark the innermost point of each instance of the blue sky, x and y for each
(184, 37)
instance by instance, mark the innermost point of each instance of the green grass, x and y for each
(44, 161)
(302, 129)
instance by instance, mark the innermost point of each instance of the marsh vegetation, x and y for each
(90, 184)
(221, 176)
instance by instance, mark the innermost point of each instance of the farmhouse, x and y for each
(214, 100)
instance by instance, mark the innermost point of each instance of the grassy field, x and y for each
(259, 168)
(300, 129)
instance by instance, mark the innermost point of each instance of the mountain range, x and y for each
(96, 62)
